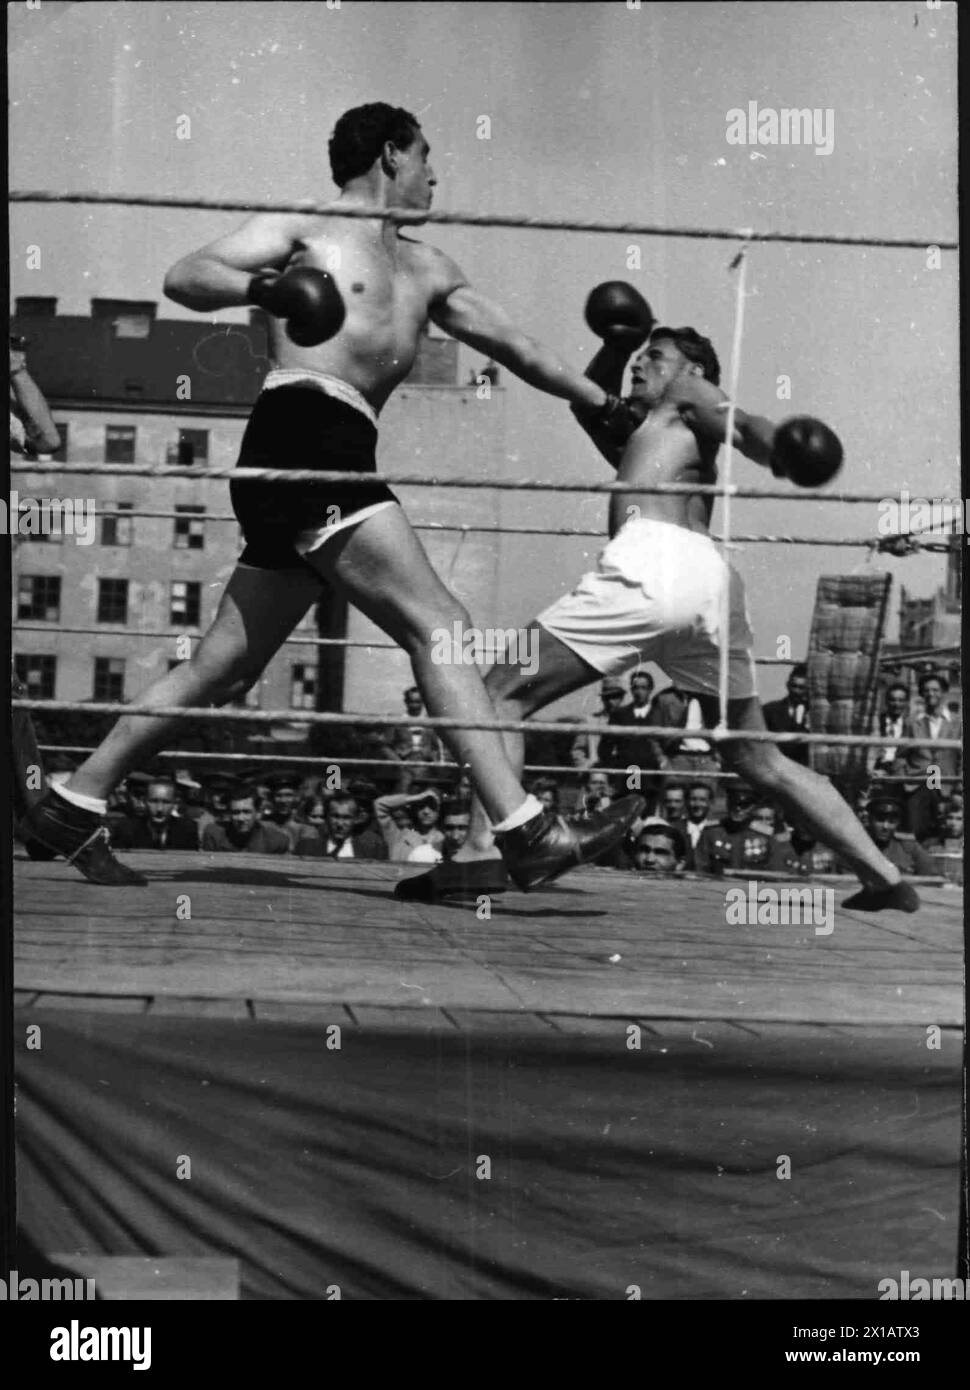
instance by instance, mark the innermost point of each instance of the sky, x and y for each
(594, 110)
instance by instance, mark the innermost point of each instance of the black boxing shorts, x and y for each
(307, 421)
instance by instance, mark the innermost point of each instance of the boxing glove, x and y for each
(805, 451)
(307, 298)
(619, 314)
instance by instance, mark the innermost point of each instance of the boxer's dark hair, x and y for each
(361, 134)
(695, 349)
(455, 806)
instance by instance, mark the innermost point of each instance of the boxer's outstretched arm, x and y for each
(607, 369)
(703, 408)
(473, 319)
(217, 276)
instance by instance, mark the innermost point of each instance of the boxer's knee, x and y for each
(760, 764)
(222, 676)
(434, 628)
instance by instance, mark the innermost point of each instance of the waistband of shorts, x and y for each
(668, 530)
(322, 381)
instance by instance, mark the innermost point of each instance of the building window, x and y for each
(116, 527)
(192, 447)
(112, 600)
(129, 318)
(303, 687)
(109, 678)
(119, 444)
(189, 529)
(32, 512)
(32, 306)
(38, 674)
(39, 597)
(186, 603)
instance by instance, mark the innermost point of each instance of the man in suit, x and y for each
(891, 723)
(921, 799)
(161, 828)
(615, 751)
(337, 838)
(790, 715)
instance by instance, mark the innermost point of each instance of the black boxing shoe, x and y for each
(81, 837)
(465, 878)
(549, 845)
(902, 897)
(35, 850)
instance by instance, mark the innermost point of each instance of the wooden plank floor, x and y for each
(294, 939)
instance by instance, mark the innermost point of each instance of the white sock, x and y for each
(530, 807)
(86, 803)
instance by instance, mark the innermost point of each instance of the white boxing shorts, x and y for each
(657, 595)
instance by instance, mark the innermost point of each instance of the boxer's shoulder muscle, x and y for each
(438, 271)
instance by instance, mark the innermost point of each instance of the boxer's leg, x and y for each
(517, 691)
(257, 612)
(811, 800)
(382, 568)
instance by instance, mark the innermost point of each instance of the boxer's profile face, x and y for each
(414, 180)
(658, 364)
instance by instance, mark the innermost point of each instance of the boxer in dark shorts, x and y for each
(296, 424)
(347, 301)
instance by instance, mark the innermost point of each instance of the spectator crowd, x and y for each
(694, 821)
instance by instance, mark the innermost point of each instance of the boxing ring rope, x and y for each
(473, 528)
(105, 630)
(343, 760)
(725, 489)
(329, 477)
(479, 219)
(516, 726)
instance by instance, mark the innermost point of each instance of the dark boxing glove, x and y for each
(619, 314)
(618, 417)
(307, 298)
(806, 452)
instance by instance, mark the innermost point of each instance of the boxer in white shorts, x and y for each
(657, 592)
